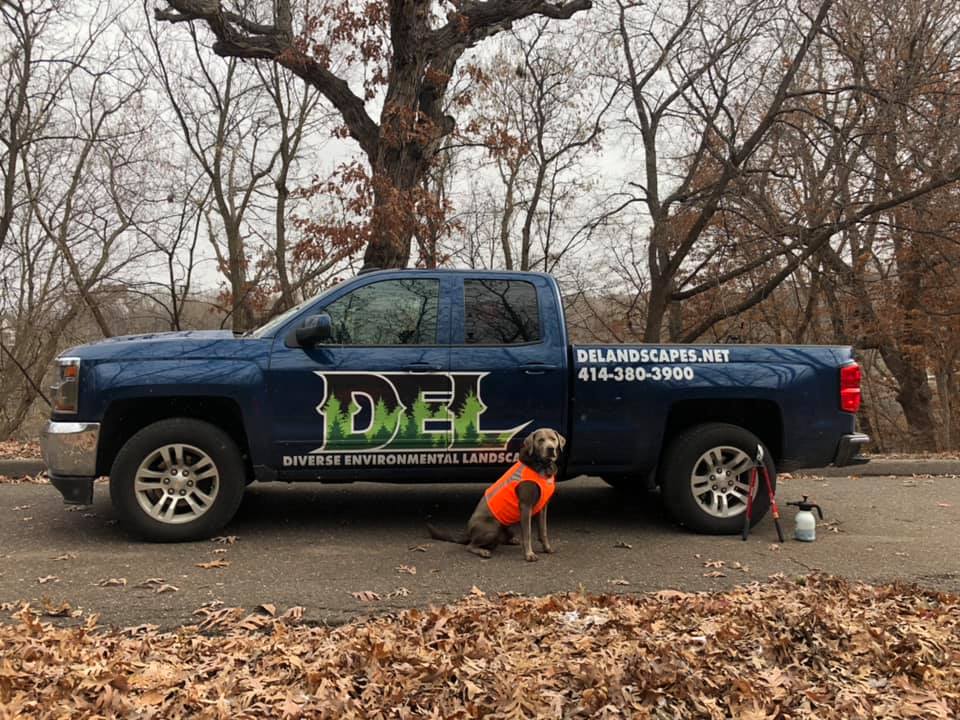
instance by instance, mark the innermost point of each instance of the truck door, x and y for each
(370, 394)
(509, 351)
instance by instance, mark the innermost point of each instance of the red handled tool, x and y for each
(758, 463)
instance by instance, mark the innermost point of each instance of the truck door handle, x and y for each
(421, 367)
(537, 368)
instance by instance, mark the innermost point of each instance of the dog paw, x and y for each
(531, 557)
(549, 549)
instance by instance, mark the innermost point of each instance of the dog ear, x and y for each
(560, 439)
(526, 450)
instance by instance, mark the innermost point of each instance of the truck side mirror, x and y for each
(315, 329)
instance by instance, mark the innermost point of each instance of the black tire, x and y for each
(195, 436)
(684, 456)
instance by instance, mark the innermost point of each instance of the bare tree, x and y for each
(408, 54)
(69, 167)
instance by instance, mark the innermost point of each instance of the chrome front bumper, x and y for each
(70, 448)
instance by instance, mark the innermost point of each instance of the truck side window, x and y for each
(391, 312)
(500, 312)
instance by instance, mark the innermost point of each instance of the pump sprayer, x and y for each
(805, 529)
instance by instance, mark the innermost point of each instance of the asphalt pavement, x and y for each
(314, 545)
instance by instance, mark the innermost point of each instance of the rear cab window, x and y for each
(500, 312)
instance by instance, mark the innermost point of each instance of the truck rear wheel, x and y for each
(705, 477)
(177, 479)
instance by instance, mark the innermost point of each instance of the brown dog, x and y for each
(520, 493)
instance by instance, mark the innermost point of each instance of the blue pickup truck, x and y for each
(433, 376)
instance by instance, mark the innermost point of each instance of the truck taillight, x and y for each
(850, 388)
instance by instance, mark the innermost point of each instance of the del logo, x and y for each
(406, 411)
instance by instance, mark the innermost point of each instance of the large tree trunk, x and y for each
(914, 396)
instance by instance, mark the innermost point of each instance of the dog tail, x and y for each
(437, 534)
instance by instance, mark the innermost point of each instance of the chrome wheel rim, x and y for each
(176, 484)
(720, 481)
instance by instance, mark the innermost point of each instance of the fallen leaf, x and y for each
(399, 592)
(618, 581)
(714, 574)
(939, 504)
(28, 518)
(225, 539)
(714, 563)
(17, 508)
(47, 579)
(150, 583)
(365, 596)
(420, 548)
(624, 545)
(269, 608)
(165, 588)
(408, 569)
(219, 551)
(111, 582)
(218, 563)
(66, 556)
(52, 610)
(773, 547)
(293, 615)
(474, 590)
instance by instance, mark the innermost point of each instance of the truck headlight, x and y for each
(66, 390)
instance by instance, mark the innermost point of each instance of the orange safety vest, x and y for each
(502, 495)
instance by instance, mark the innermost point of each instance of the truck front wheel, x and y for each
(705, 478)
(177, 479)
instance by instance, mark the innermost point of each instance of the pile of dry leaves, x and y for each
(39, 479)
(816, 647)
(17, 449)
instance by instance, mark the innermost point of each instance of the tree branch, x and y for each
(478, 20)
(242, 38)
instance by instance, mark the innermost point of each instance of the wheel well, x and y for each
(124, 418)
(761, 417)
